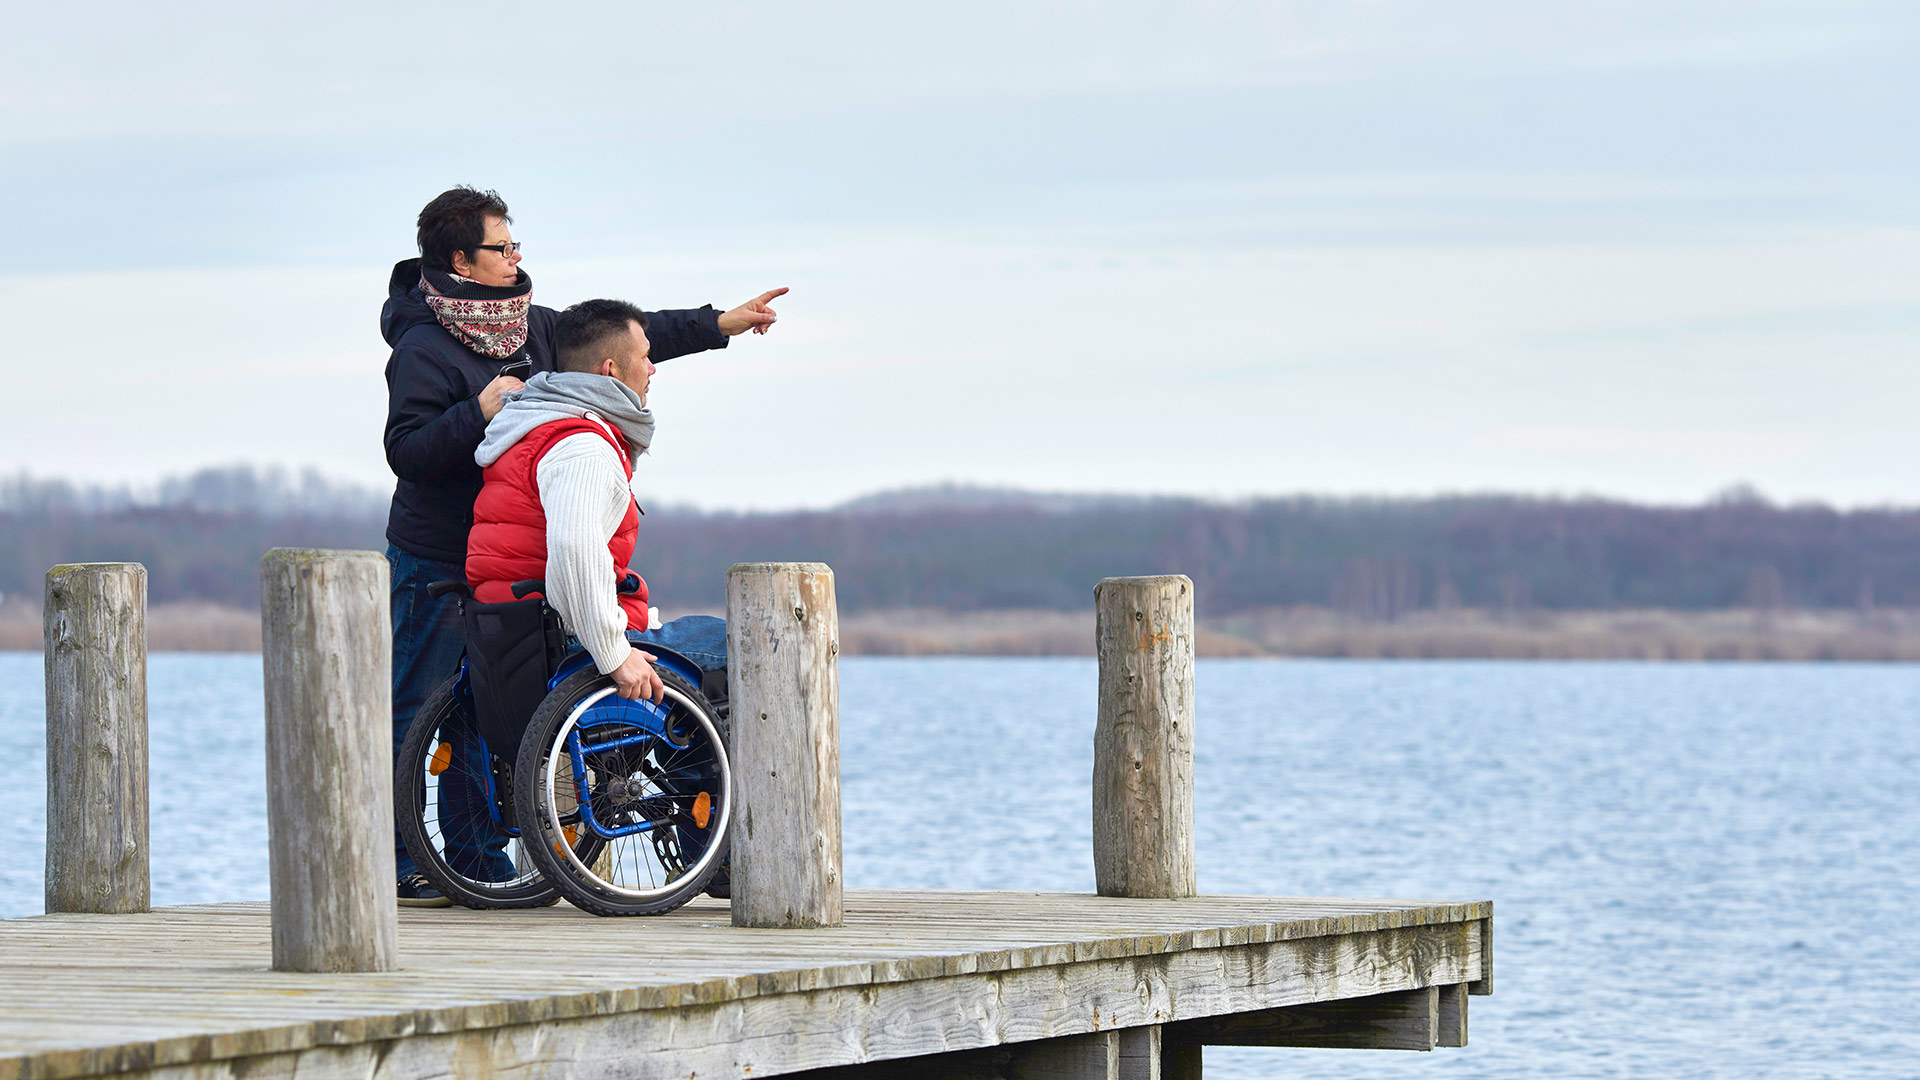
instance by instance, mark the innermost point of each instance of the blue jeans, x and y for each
(703, 640)
(428, 644)
(700, 638)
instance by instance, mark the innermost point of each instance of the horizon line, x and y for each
(284, 485)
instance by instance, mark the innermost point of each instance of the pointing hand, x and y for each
(753, 315)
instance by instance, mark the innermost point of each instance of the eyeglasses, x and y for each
(507, 251)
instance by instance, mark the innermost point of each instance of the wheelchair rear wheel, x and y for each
(652, 785)
(440, 800)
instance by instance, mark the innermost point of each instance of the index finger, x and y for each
(771, 293)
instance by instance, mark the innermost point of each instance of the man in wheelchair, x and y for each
(617, 790)
(557, 504)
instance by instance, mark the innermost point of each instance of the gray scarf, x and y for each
(565, 395)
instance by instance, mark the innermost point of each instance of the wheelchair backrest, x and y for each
(513, 650)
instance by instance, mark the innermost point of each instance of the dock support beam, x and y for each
(1403, 1020)
(1075, 1057)
(327, 651)
(783, 644)
(1139, 1053)
(1180, 1061)
(1098, 1055)
(96, 659)
(1143, 741)
(1453, 1015)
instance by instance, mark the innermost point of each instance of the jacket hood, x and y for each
(404, 308)
(566, 395)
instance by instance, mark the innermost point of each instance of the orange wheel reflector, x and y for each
(702, 809)
(573, 835)
(558, 850)
(442, 757)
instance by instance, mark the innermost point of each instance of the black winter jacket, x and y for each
(433, 409)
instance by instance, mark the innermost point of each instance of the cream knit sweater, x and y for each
(584, 492)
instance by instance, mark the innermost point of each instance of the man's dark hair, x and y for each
(583, 331)
(456, 220)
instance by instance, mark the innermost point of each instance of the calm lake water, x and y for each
(1697, 871)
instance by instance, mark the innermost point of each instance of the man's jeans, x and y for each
(703, 640)
(700, 638)
(428, 643)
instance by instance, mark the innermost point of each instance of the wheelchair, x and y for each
(526, 777)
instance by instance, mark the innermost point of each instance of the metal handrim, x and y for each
(557, 751)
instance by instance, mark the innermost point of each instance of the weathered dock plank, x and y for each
(186, 992)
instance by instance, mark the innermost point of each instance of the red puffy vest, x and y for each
(509, 538)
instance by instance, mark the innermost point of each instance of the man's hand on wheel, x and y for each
(753, 315)
(635, 678)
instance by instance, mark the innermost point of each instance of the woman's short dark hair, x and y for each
(456, 220)
(583, 330)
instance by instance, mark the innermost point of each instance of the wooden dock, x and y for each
(995, 983)
(796, 976)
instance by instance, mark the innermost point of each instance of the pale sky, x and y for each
(1647, 249)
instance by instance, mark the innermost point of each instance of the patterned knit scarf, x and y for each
(489, 319)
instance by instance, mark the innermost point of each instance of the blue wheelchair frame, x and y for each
(612, 709)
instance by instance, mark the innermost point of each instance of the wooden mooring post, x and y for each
(327, 653)
(96, 658)
(783, 644)
(1143, 740)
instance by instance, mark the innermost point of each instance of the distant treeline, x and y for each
(968, 549)
(1374, 558)
(199, 536)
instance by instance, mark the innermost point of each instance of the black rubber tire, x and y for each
(411, 779)
(544, 819)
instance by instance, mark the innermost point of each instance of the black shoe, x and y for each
(417, 891)
(720, 886)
